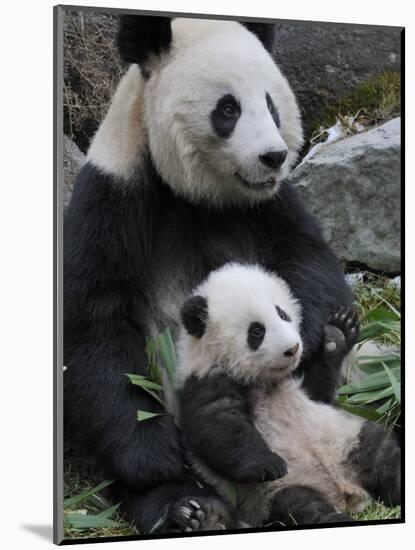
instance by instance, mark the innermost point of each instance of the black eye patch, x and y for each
(284, 316)
(225, 115)
(273, 110)
(256, 334)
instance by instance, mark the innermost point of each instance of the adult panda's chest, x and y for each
(190, 242)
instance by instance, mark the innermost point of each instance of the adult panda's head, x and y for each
(242, 321)
(222, 123)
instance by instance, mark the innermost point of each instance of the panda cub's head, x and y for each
(242, 321)
(222, 123)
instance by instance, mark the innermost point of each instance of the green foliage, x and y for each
(161, 355)
(374, 101)
(89, 514)
(376, 394)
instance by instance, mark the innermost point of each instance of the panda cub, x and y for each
(295, 460)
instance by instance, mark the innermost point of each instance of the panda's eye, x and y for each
(273, 110)
(229, 110)
(284, 316)
(256, 334)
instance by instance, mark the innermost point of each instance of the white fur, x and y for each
(238, 295)
(315, 439)
(120, 141)
(207, 60)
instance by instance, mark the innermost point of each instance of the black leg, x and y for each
(175, 507)
(378, 461)
(301, 505)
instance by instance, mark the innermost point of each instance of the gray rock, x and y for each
(324, 63)
(73, 159)
(353, 187)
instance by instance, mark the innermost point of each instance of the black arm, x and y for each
(105, 287)
(216, 423)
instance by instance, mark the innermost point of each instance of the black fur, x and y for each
(194, 314)
(163, 504)
(139, 36)
(122, 243)
(378, 459)
(284, 316)
(224, 122)
(265, 32)
(256, 334)
(300, 505)
(215, 419)
(273, 110)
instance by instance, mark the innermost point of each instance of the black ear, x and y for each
(265, 32)
(194, 314)
(139, 36)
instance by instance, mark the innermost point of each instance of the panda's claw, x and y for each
(199, 514)
(186, 512)
(194, 503)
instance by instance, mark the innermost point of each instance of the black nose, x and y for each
(292, 351)
(273, 159)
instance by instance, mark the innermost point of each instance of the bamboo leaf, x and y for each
(109, 511)
(385, 301)
(394, 382)
(88, 521)
(364, 412)
(231, 493)
(147, 386)
(71, 502)
(143, 382)
(368, 397)
(382, 314)
(371, 382)
(167, 352)
(146, 415)
(371, 331)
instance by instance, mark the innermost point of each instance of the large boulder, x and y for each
(353, 187)
(73, 159)
(324, 62)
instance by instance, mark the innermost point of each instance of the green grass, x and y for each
(79, 481)
(373, 102)
(378, 303)
(376, 511)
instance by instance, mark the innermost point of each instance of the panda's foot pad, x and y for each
(199, 514)
(341, 332)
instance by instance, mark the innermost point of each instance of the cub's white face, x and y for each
(251, 327)
(222, 122)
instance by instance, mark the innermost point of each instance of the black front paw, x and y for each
(341, 332)
(199, 514)
(267, 468)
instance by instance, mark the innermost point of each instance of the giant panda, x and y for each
(296, 461)
(185, 173)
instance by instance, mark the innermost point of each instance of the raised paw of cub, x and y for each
(266, 468)
(341, 332)
(199, 514)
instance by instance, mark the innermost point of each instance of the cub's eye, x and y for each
(270, 105)
(284, 316)
(229, 110)
(256, 333)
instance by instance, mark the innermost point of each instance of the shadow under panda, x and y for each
(297, 461)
